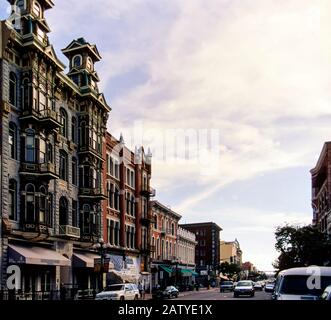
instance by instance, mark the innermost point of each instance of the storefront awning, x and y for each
(18, 254)
(166, 269)
(84, 259)
(186, 272)
(195, 274)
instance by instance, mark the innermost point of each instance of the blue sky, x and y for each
(255, 71)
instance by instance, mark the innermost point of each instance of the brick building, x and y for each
(53, 127)
(321, 190)
(127, 218)
(207, 252)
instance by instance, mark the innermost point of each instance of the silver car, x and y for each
(244, 288)
(123, 291)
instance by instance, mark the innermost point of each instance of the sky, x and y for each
(232, 97)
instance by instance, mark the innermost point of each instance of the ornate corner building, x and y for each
(53, 156)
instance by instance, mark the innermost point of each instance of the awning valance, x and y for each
(19, 254)
(186, 272)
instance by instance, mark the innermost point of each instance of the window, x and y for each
(77, 61)
(74, 213)
(117, 234)
(25, 94)
(42, 150)
(30, 203)
(12, 140)
(64, 122)
(12, 205)
(111, 231)
(74, 130)
(12, 89)
(50, 210)
(42, 100)
(63, 170)
(117, 199)
(63, 211)
(89, 64)
(110, 195)
(83, 133)
(86, 219)
(117, 169)
(30, 146)
(50, 153)
(133, 206)
(20, 5)
(172, 229)
(37, 9)
(42, 205)
(74, 171)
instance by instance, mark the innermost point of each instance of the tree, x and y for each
(301, 246)
(230, 269)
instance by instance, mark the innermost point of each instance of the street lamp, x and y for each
(102, 248)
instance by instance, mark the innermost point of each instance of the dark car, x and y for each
(226, 286)
(170, 292)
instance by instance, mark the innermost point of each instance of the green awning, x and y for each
(166, 269)
(195, 274)
(186, 272)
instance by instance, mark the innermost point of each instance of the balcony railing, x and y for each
(46, 170)
(92, 193)
(48, 117)
(69, 231)
(148, 191)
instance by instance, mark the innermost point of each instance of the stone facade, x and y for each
(53, 132)
(230, 252)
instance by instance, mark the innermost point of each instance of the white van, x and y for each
(307, 283)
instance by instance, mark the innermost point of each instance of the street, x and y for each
(214, 294)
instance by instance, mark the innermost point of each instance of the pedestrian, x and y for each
(141, 290)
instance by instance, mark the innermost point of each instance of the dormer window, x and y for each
(77, 61)
(20, 5)
(37, 9)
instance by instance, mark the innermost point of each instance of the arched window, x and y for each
(74, 171)
(12, 205)
(12, 140)
(12, 89)
(25, 94)
(37, 9)
(77, 61)
(30, 203)
(42, 204)
(63, 167)
(63, 211)
(74, 129)
(117, 198)
(30, 146)
(64, 123)
(20, 5)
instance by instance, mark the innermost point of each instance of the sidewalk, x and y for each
(148, 296)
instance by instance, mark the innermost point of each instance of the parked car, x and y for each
(258, 286)
(326, 294)
(244, 287)
(170, 292)
(226, 286)
(269, 287)
(306, 283)
(123, 291)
